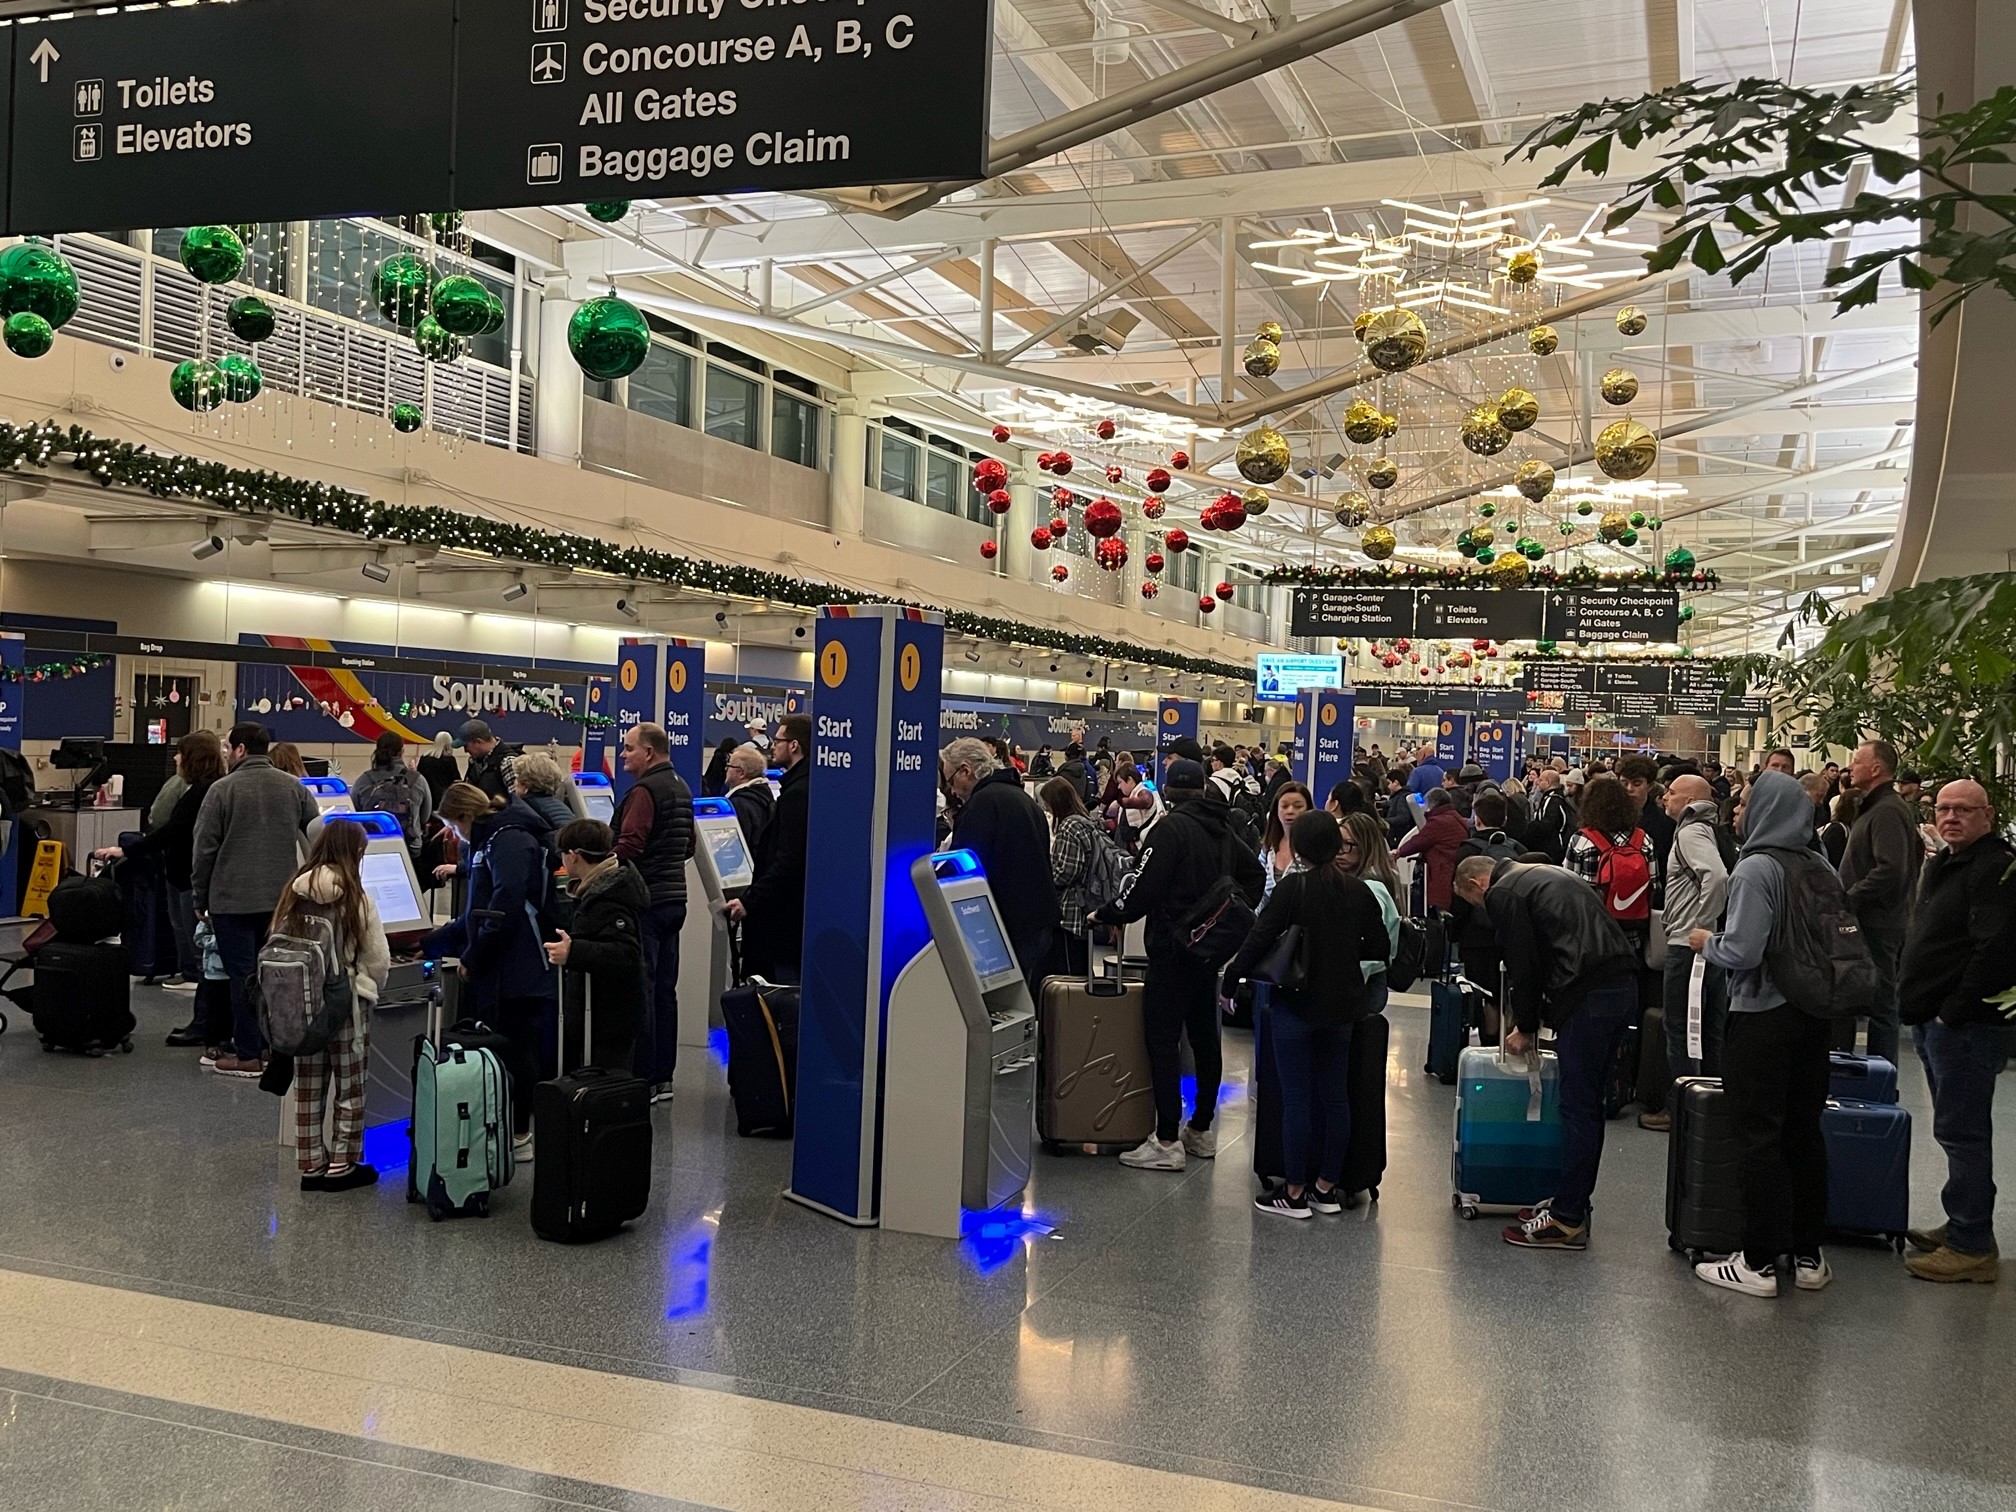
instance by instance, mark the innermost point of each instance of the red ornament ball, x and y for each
(1116, 475)
(1061, 464)
(1107, 430)
(1003, 435)
(1231, 512)
(1059, 528)
(1044, 459)
(1159, 480)
(1179, 460)
(1153, 509)
(1207, 605)
(1224, 592)
(1041, 538)
(1111, 555)
(1060, 573)
(1403, 644)
(1154, 562)
(1482, 643)
(989, 550)
(1150, 590)
(1063, 498)
(1207, 517)
(999, 500)
(1389, 660)
(1177, 540)
(1102, 519)
(989, 474)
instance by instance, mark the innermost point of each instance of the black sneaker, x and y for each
(187, 1035)
(1279, 1204)
(1321, 1201)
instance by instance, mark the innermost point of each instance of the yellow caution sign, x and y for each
(42, 880)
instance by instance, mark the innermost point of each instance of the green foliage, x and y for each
(1931, 669)
(1770, 162)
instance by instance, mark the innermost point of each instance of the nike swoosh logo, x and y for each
(1624, 903)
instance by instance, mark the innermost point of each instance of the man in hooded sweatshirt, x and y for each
(1774, 1059)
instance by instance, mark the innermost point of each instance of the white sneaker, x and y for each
(1153, 1155)
(521, 1149)
(661, 1093)
(1735, 1274)
(1203, 1143)
(1812, 1275)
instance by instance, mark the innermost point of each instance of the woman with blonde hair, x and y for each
(538, 779)
(286, 756)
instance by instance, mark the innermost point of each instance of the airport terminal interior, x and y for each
(769, 428)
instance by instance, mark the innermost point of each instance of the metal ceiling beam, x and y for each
(1476, 74)
(1056, 73)
(886, 276)
(1203, 15)
(1853, 554)
(1168, 254)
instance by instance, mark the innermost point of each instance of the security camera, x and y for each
(1053, 666)
(627, 609)
(721, 618)
(118, 361)
(798, 631)
(208, 547)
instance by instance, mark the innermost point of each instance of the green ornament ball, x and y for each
(1637, 519)
(406, 418)
(241, 377)
(28, 334)
(1585, 507)
(251, 319)
(608, 338)
(1485, 555)
(1533, 551)
(1545, 647)
(493, 316)
(1680, 559)
(1656, 523)
(445, 222)
(212, 254)
(1467, 548)
(39, 280)
(436, 342)
(197, 386)
(608, 211)
(1487, 510)
(1686, 611)
(1566, 528)
(460, 305)
(401, 288)
(1629, 538)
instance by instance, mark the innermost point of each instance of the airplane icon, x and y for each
(549, 62)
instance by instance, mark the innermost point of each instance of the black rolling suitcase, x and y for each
(1704, 1171)
(762, 1023)
(1365, 1161)
(1655, 1077)
(82, 998)
(593, 1129)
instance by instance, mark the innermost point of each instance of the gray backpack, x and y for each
(1106, 870)
(304, 992)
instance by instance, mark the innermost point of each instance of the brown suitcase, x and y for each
(1092, 1065)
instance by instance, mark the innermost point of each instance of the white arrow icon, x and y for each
(43, 56)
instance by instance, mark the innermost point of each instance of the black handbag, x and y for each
(1285, 968)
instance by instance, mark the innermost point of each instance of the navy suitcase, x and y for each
(762, 1024)
(1862, 1078)
(593, 1127)
(1868, 1168)
(1448, 1029)
(1704, 1171)
(1365, 1161)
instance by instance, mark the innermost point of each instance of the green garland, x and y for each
(582, 717)
(56, 671)
(1700, 580)
(246, 491)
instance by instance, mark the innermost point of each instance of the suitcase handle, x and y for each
(587, 1024)
(1096, 985)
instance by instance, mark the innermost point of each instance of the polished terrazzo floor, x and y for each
(181, 1328)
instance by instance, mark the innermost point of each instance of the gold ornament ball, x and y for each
(1363, 424)
(1353, 510)
(1482, 535)
(1484, 432)
(1256, 501)
(1263, 359)
(1389, 427)
(1523, 267)
(1543, 341)
(1509, 569)
(1379, 542)
(1270, 330)
(1626, 450)
(1361, 320)
(1631, 321)
(1613, 525)
(1382, 474)
(1534, 479)
(1619, 386)
(1395, 340)
(1518, 409)
(1263, 456)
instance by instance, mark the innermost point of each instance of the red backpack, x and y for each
(1623, 876)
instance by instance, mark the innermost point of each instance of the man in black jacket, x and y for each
(1880, 870)
(488, 758)
(747, 788)
(1002, 825)
(1958, 956)
(1553, 816)
(654, 833)
(1476, 940)
(1565, 961)
(772, 911)
(1185, 853)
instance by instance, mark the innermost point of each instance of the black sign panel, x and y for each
(1695, 705)
(1499, 614)
(188, 115)
(565, 100)
(1560, 676)
(1636, 706)
(1699, 679)
(1588, 615)
(1647, 678)
(1378, 613)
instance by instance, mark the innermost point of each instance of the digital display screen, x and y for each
(731, 856)
(335, 803)
(600, 803)
(390, 885)
(980, 929)
(1283, 674)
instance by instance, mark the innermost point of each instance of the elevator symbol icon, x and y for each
(90, 97)
(549, 15)
(86, 144)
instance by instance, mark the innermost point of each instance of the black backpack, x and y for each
(1817, 955)
(1423, 950)
(17, 783)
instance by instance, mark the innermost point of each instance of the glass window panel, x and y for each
(663, 386)
(899, 467)
(731, 406)
(942, 482)
(794, 430)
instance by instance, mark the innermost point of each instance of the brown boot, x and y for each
(1946, 1264)
(1927, 1240)
(1658, 1123)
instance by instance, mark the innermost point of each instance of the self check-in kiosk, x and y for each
(332, 795)
(959, 1097)
(721, 869)
(598, 796)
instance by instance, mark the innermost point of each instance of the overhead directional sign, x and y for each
(281, 110)
(1587, 615)
(1490, 613)
(1380, 613)
(566, 100)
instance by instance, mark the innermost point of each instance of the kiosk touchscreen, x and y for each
(721, 868)
(598, 795)
(388, 873)
(721, 832)
(332, 794)
(959, 1103)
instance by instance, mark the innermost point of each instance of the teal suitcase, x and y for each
(1508, 1131)
(461, 1130)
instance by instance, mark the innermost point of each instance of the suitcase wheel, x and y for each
(1466, 1210)
(1052, 1147)
(479, 1205)
(126, 1047)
